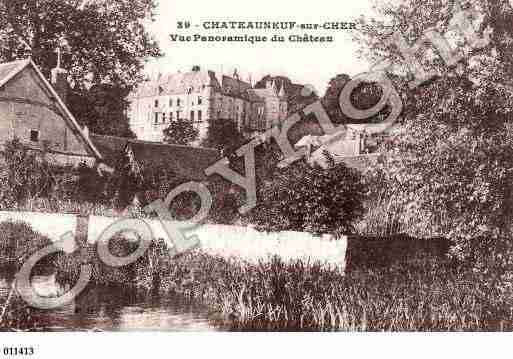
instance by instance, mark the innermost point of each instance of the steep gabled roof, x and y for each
(8, 71)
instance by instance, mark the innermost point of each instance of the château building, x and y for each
(202, 96)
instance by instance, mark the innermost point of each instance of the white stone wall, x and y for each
(53, 226)
(248, 244)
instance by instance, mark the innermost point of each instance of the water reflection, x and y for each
(116, 309)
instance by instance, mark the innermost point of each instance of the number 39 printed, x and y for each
(18, 351)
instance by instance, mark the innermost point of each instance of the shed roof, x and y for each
(186, 161)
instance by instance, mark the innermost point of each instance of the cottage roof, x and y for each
(112, 148)
(186, 161)
(8, 72)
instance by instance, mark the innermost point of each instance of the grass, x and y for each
(81, 208)
(430, 295)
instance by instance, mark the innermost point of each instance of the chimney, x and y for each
(85, 131)
(60, 79)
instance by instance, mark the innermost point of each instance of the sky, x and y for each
(306, 63)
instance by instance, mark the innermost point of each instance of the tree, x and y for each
(102, 108)
(364, 96)
(451, 169)
(180, 132)
(106, 40)
(103, 42)
(223, 134)
(312, 199)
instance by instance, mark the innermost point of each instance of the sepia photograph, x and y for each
(172, 166)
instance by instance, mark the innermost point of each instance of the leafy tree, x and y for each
(180, 132)
(106, 39)
(102, 109)
(223, 134)
(304, 198)
(451, 169)
(364, 96)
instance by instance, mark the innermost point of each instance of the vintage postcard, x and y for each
(171, 166)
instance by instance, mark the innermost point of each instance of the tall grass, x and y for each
(385, 217)
(428, 295)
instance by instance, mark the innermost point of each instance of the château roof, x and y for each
(176, 84)
(235, 87)
(179, 83)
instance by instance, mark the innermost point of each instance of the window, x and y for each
(200, 100)
(178, 115)
(34, 135)
(156, 118)
(170, 116)
(156, 103)
(200, 116)
(170, 102)
(192, 116)
(178, 102)
(163, 117)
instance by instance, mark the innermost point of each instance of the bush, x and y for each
(24, 174)
(312, 199)
(18, 241)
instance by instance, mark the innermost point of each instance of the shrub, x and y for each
(18, 241)
(312, 199)
(24, 174)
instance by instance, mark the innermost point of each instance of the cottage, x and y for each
(151, 166)
(35, 112)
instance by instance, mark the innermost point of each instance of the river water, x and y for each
(115, 309)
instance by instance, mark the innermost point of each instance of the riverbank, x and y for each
(423, 294)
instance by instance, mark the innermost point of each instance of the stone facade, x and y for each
(32, 111)
(202, 96)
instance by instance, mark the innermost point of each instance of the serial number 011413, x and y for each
(18, 351)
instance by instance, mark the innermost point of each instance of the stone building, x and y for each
(35, 112)
(200, 96)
